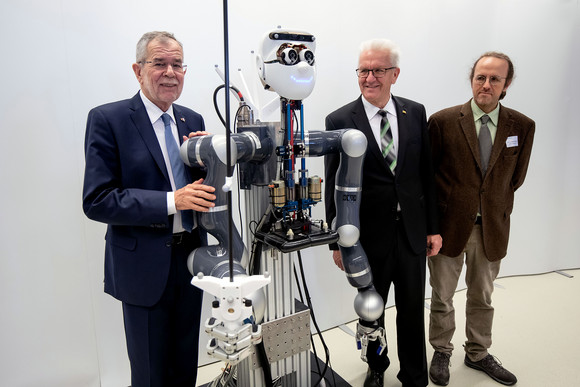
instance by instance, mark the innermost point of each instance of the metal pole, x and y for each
(228, 136)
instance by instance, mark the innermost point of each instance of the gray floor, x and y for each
(536, 336)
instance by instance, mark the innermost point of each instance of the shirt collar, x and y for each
(371, 110)
(478, 113)
(153, 110)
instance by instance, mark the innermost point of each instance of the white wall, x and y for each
(61, 58)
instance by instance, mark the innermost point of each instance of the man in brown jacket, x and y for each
(481, 152)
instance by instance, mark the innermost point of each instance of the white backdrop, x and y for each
(63, 57)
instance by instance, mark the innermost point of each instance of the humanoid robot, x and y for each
(280, 198)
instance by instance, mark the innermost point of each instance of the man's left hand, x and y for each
(434, 243)
(196, 134)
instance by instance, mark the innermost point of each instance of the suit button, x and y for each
(168, 243)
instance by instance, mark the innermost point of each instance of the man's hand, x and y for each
(196, 134)
(337, 259)
(195, 196)
(434, 243)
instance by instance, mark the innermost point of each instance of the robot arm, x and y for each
(204, 151)
(368, 304)
(239, 303)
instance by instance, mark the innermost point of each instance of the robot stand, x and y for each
(286, 326)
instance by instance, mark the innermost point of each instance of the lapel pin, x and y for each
(404, 112)
(182, 119)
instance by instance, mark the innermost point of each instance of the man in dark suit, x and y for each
(398, 217)
(481, 152)
(135, 185)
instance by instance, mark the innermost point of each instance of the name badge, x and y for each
(511, 141)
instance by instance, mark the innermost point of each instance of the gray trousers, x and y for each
(479, 277)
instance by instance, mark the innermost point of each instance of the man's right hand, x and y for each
(337, 259)
(195, 196)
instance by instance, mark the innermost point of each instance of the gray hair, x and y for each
(148, 37)
(383, 45)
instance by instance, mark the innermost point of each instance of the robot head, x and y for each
(286, 63)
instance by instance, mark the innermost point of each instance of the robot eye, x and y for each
(289, 56)
(307, 56)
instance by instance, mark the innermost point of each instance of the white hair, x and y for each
(384, 45)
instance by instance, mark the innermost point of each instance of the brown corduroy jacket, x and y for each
(461, 188)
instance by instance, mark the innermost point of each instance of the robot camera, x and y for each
(288, 56)
(307, 56)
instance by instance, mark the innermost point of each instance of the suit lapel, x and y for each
(359, 117)
(403, 132)
(182, 130)
(145, 129)
(468, 127)
(504, 125)
(361, 121)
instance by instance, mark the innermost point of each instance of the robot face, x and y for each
(286, 63)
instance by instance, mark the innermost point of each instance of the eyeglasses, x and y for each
(494, 80)
(161, 66)
(378, 73)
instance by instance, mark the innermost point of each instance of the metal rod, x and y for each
(228, 134)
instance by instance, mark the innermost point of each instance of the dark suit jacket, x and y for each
(412, 185)
(125, 185)
(460, 185)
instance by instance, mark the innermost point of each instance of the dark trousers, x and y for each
(162, 340)
(403, 268)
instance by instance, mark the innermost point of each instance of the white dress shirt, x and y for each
(375, 121)
(155, 114)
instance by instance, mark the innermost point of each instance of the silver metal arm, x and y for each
(368, 304)
(240, 303)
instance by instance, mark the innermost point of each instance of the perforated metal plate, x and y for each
(287, 336)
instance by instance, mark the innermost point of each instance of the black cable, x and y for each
(255, 259)
(308, 300)
(242, 106)
(297, 124)
(238, 170)
(215, 103)
(255, 224)
(261, 353)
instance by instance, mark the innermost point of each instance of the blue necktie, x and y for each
(178, 169)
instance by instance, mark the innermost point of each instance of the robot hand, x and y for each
(232, 327)
(231, 346)
(369, 305)
(365, 333)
